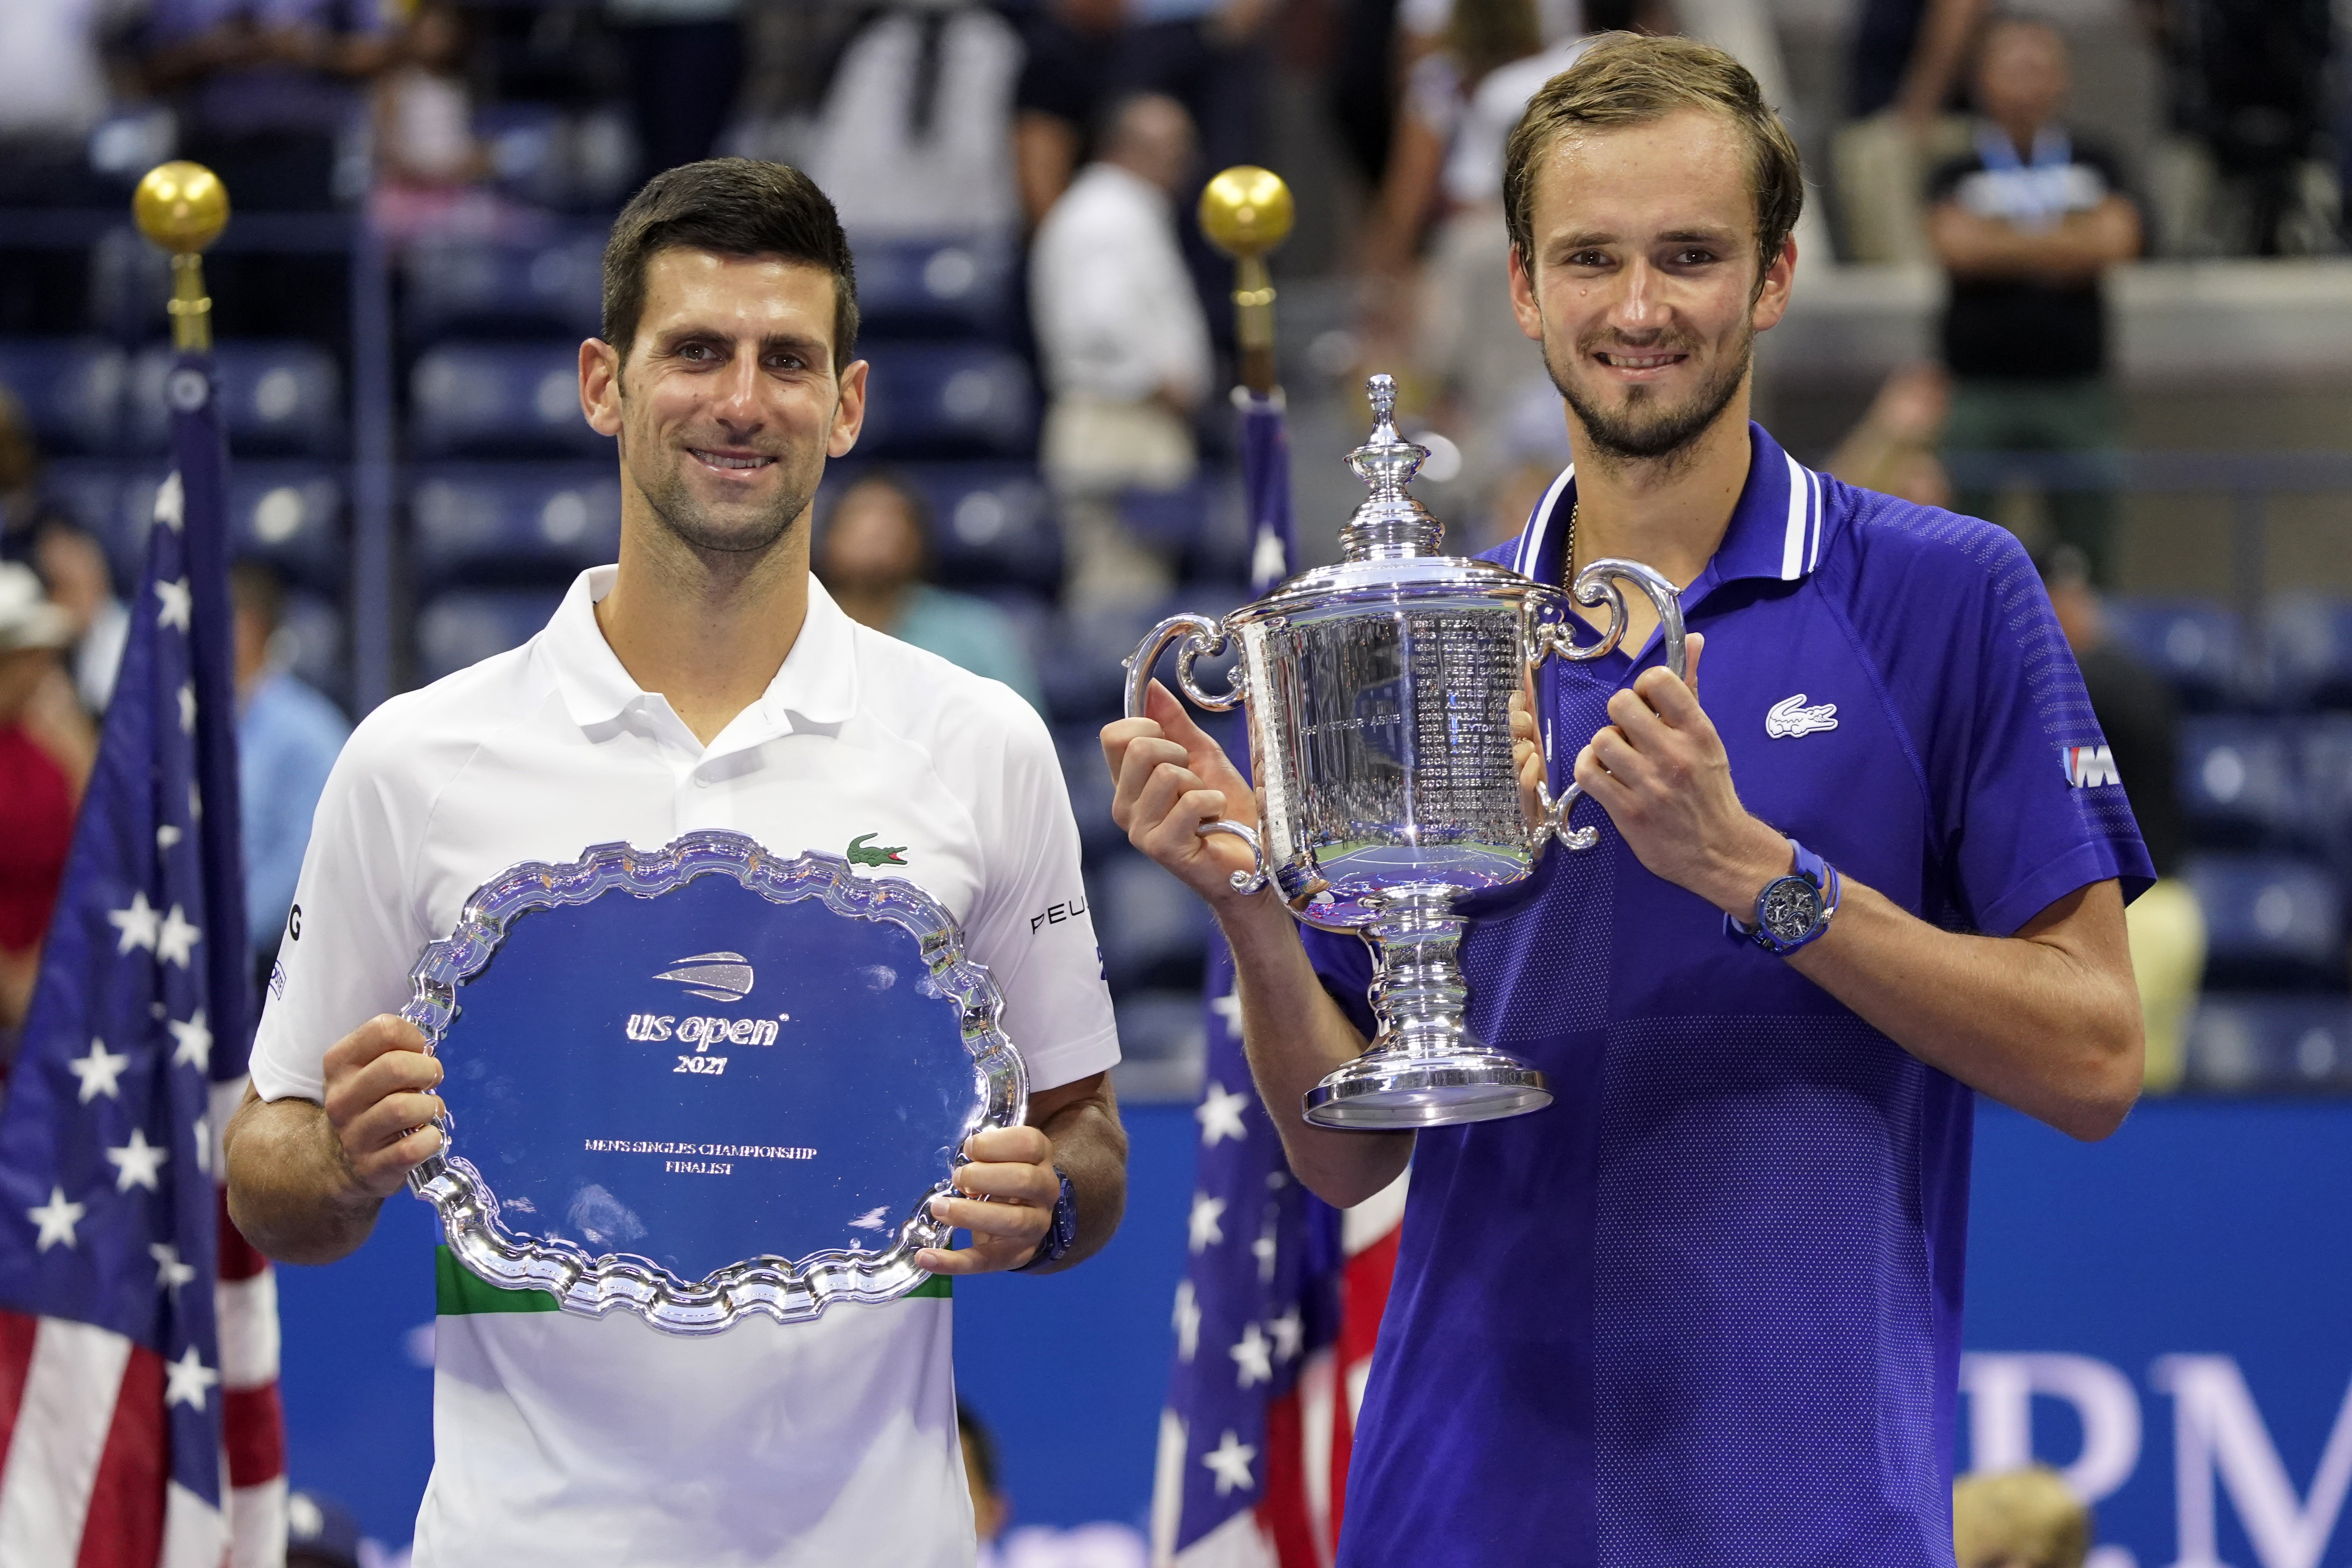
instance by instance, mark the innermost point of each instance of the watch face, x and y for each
(1789, 909)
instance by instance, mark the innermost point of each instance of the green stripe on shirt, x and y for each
(457, 1290)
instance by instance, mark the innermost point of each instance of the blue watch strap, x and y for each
(1061, 1228)
(1812, 868)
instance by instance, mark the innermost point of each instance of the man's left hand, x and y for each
(1660, 770)
(1012, 1168)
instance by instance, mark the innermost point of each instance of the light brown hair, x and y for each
(1630, 79)
(2019, 1516)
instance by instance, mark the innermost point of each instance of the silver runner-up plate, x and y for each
(705, 1081)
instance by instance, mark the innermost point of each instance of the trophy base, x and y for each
(1380, 1090)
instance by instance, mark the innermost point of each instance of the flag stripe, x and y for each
(66, 1413)
(125, 1524)
(17, 1332)
(249, 1330)
(256, 1524)
(1282, 1512)
(239, 1259)
(253, 1435)
(195, 1534)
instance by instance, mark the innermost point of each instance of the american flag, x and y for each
(1282, 1297)
(139, 1415)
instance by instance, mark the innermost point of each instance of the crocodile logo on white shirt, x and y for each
(1790, 717)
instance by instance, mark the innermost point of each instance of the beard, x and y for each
(1646, 429)
(742, 529)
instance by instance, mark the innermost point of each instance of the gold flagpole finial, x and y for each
(1247, 211)
(182, 207)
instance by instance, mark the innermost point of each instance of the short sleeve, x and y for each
(1031, 925)
(2031, 803)
(351, 937)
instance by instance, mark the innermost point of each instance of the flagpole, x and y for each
(182, 207)
(1246, 211)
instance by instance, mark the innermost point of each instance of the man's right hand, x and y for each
(380, 1104)
(1169, 777)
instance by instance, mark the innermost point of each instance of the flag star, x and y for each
(171, 501)
(1230, 1461)
(193, 1046)
(1188, 1321)
(186, 1379)
(1253, 1357)
(136, 923)
(56, 1219)
(1220, 1115)
(1203, 1223)
(98, 1070)
(1289, 1335)
(173, 942)
(1266, 1249)
(167, 836)
(187, 707)
(1229, 1008)
(177, 603)
(137, 1162)
(170, 1272)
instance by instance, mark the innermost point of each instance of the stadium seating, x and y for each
(278, 399)
(499, 400)
(2269, 1045)
(1079, 747)
(2193, 643)
(2309, 643)
(71, 391)
(2270, 921)
(482, 522)
(465, 626)
(948, 287)
(1159, 1045)
(948, 400)
(1151, 928)
(2239, 781)
(457, 287)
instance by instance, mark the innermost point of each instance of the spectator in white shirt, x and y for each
(1125, 348)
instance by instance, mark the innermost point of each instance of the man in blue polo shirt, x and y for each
(1703, 1311)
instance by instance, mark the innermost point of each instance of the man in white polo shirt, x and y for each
(707, 681)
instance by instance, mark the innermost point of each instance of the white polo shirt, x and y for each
(568, 1440)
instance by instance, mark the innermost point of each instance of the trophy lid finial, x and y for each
(1390, 524)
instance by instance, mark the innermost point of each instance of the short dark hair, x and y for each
(729, 206)
(1630, 79)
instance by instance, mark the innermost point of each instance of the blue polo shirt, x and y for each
(1703, 1311)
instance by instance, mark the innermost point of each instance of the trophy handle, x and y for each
(1597, 584)
(1202, 635)
(1248, 882)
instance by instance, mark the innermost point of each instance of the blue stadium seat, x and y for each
(477, 522)
(2270, 921)
(278, 399)
(952, 286)
(310, 636)
(2238, 782)
(2309, 641)
(1083, 681)
(467, 625)
(479, 399)
(71, 390)
(2256, 1044)
(290, 515)
(2194, 643)
(87, 489)
(1079, 747)
(2324, 762)
(1154, 932)
(460, 287)
(948, 400)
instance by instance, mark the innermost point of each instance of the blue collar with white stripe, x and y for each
(1775, 529)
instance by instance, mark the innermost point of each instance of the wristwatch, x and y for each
(1793, 910)
(1062, 1230)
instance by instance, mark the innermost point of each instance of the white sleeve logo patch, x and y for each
(1790, 717)
(2087, 767)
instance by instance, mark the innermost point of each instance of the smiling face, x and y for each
(728, 404)
(1645, 290)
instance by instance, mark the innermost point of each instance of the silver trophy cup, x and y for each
(1378, 697)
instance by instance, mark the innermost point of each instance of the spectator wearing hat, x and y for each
(46, 753)
(874, 557)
